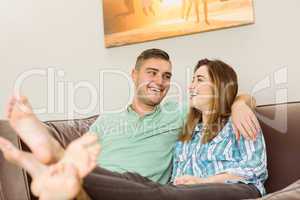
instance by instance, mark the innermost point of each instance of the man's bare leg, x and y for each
(32, 131)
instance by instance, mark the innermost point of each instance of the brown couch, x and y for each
(279, 123)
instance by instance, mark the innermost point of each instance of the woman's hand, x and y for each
(188, 180)
(219, 178)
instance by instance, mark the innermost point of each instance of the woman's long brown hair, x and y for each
(224, 80)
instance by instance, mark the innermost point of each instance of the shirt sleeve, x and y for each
(253, 165)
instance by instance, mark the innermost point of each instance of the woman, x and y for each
(207, 150)
(209, 162)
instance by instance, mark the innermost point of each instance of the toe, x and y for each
(6, 146)
(9, 106)
(87, 140)
(95, 151)
(71, 170)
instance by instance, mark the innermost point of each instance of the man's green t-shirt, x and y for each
(142, 145)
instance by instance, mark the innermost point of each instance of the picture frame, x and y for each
(133, 21)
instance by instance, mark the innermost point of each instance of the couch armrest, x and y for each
(13, 180)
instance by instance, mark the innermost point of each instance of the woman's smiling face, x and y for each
(201, 90)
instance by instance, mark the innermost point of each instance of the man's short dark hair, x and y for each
(151, 53)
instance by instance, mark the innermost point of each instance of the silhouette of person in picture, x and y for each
(183, 8)
(195, 4)
(130, 8)
(147, 6)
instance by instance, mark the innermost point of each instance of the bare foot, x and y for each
(32, 131)
(60, 182)
(83, 153)
(56, 182)
(21, 158)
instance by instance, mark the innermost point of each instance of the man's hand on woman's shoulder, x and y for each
(244, 119)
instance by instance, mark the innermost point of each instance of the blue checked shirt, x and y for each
(224, 154)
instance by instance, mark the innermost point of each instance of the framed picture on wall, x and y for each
(133, 21)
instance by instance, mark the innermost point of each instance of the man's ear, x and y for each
(134, 75)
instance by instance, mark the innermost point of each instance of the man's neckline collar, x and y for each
(131, 110)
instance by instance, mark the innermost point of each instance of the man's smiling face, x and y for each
(152, 81)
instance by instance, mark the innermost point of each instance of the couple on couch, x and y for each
(152, 150)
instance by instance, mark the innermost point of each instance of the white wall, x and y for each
(67, 35)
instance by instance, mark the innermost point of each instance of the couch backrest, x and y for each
(281, 128)
(65, 131)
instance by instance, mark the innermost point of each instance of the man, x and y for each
(138, 140)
